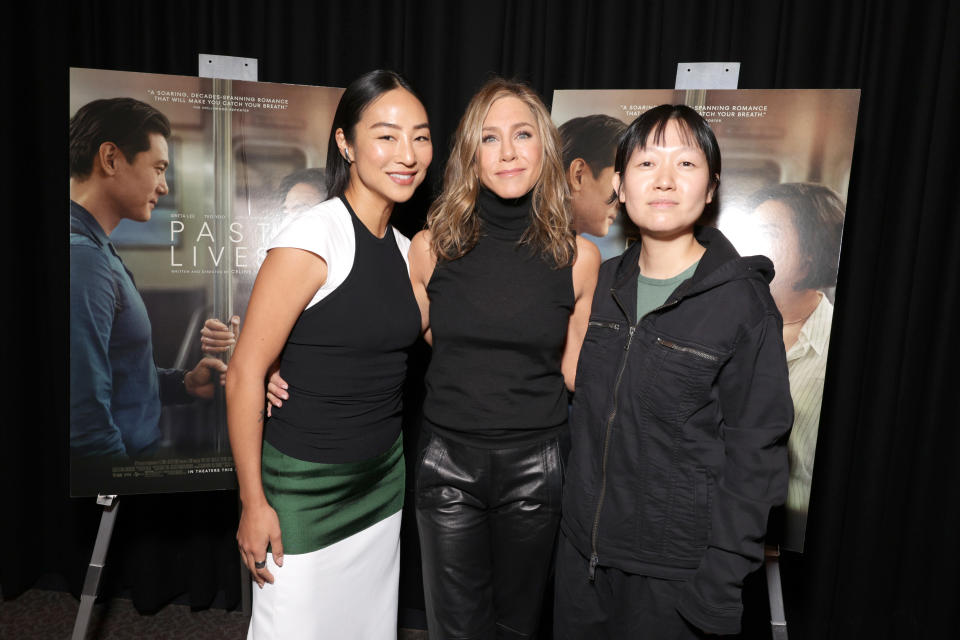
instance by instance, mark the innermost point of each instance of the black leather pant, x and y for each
(488, 523)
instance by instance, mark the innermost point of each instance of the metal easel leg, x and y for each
(91, 584)
(778, 620)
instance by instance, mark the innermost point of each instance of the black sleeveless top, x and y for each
(499, 318)
(346, 360)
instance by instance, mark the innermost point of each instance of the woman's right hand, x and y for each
(276, 391)
(259, 527)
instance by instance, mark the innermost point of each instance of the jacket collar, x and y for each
(720, 263)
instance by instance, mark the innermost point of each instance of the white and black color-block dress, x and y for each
(333, 453)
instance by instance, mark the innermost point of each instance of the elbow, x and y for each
(238, 376)
(234, 375)
(231, 381)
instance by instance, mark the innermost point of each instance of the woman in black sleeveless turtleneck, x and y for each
(504, 288)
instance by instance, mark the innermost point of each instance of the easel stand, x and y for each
(778, 620)
(224, 69)
(111, 504)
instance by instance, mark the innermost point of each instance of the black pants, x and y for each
(488, 522)
(615, 604)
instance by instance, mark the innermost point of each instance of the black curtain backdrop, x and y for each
(885, 509)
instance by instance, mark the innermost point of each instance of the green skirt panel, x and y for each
(319, 504)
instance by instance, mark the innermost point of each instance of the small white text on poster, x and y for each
(219, 102)
(710, 112)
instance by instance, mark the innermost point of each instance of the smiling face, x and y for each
(136, 187)
(666, 185)
(391, 147)
(511, 153)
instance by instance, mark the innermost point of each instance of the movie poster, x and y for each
(242, 156)
(786, 167)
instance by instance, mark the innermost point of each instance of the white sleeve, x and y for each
(403, 243)
(326, 230)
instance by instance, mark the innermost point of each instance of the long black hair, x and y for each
(357, 97)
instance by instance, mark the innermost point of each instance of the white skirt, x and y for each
(345, 591)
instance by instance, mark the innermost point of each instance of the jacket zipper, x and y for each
(594, 557)
(606, 325)
(690, 350)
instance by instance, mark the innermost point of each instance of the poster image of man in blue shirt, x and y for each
(118, 158)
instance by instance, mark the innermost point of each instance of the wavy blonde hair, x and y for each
(453, 220)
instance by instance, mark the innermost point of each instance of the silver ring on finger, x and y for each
(260, 565)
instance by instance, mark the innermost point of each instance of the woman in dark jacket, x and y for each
(682, 410)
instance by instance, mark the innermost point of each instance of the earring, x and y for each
(346, 155)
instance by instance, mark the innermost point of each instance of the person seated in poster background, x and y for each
(799, 225)
(301, 190)
(118, 158)
(589, 147)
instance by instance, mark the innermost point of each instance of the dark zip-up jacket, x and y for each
(679, 430)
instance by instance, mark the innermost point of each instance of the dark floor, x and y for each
(42, 614)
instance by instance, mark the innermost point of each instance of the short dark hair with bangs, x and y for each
(654, 123)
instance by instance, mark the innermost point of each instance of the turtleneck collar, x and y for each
(505, 219)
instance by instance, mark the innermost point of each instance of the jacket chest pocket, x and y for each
(600, 347)
(678, 379)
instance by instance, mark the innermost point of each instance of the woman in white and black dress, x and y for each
(321, 481)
